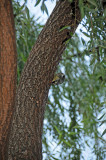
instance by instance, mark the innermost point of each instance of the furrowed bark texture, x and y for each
(8, 70)
(25, 140)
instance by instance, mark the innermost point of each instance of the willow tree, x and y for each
(22, 108)
(22, 112)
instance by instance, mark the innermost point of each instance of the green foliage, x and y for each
(74, 106)
(27, 31)
(75, 113)
(43, 5)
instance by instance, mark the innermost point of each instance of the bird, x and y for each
(58, 79)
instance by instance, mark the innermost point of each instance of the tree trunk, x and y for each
(25, 140)
(8, 71)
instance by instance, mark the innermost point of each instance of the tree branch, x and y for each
(26, 131)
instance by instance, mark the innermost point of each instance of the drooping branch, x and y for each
(8, 70)
(25, 140)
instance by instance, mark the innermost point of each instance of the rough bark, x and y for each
(8, 70)
(25, 141)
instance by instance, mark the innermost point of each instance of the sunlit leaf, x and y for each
(104, 132)
(102, 116)
(37, 2)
